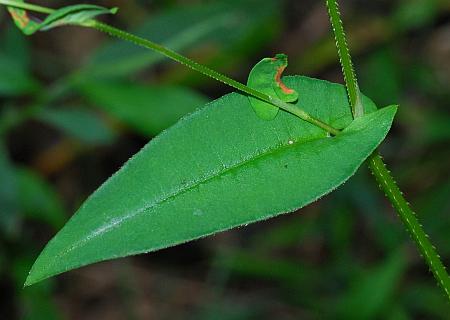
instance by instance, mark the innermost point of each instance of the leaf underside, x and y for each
(218, 168)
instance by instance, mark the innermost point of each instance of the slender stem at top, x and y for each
(345, 59)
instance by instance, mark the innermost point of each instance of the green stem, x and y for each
(210, 73)
(345, 59)
(26, 6)
(409, 219)
(118, 33)
(378, 168)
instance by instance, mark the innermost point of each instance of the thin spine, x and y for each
(381, 173)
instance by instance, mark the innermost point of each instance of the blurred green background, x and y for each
(75, 105)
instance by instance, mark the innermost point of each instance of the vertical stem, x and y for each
(345, 59)
(378, 168)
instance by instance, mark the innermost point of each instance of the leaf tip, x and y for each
(392, 109)
(30, 280)
(37, 272)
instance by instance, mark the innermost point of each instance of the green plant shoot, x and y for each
(70, 15)
(97, 231)
(23, 21)
(266, 77)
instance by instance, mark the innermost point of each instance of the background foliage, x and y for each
(346, 256)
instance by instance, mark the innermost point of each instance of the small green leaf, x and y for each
(38, 200)
(78, 123)
(80, 15)
(75, 15)
(27, 24)
(16, 46)
(15, 80)
(15, 74)
(219, 168)
(147, 109)
(266, 77)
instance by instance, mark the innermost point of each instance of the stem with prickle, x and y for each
(376, 164)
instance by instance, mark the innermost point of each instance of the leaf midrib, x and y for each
(186, 188)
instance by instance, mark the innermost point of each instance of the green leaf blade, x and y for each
(148, 109)
(79, 14)
(16, 77)
(78, 123)
(38, 199)
(219, 168)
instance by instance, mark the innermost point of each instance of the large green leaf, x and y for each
(38, 199)
(147, 109)
(219, 168)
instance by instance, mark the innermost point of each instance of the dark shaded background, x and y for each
(346, 256)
